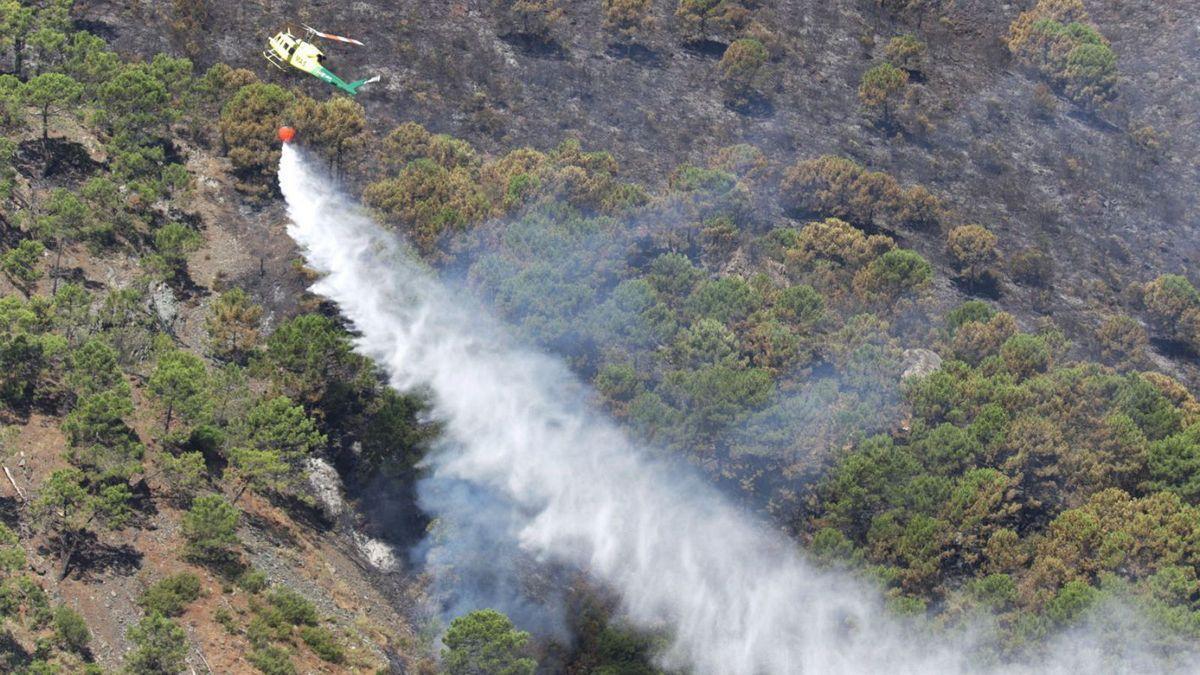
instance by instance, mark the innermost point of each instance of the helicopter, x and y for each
(302, 54)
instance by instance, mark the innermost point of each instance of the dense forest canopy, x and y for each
(859, 357)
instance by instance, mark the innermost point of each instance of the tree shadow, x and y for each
(94, 559)
(753, 105)
(705, 48)
(142, 504)
(10, 512)
(274, 533)
(1174, 349)
(986, 287)
(535, 46)
(55, 157)
(639, 54)
(13, 657)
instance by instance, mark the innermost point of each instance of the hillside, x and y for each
(913, 283)
(1072, 185)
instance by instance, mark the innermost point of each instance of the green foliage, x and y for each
(1056, 39)
(22, 599)
(281, 426)
(253, 581)
(99, 438)
(306, 355)
(12, 555)
(210, 528)
(70, 630)
(881, 89)
(485, 641)
(973, 249)
(233, 326)
(90, 61)
(265, 471)
(171, 595)
(836, 187)
(68, 506)
(135, 105)
(1174, 463)
(906, 52)
(172, 244)
(248, 123)
(742, 70)
(179, 384)
(20, 264)
(629, 19)
(272, 660)
(293, 607)
(324, 643)
(26, 351)
(51, 94)
(893, 274)
(160, 646)
(184, 475)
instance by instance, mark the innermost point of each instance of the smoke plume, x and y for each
(567, 487)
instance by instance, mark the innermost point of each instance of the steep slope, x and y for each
(1074, 186)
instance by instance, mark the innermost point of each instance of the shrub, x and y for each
(429, 202)
(1032, 267)
(840, 188)
(485, 641)
(232, 325)
(253, 581)
(1173, 305)
(70, 630)
(835, 242)
(295, 608)
(973, 249)
(742, 71)
(172, 595)
(1056, 40)
(920, 209)
(628, 18)
(272, 660)
(1045, 103)
(978, 339)
(1150, 141)
(881, 90)
(323, 643)
(160, 646)
(210, 528)
(248, 123)
(1122, 340)
(699, 19)
(907, 52)
(895, 273)
(534, 18)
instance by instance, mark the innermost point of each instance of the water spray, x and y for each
(571, 488)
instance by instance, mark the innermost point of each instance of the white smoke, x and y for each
(733, 596)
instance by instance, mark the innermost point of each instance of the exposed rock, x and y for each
(165, 304)
(327, 485)
(920, 363)
(380, 554)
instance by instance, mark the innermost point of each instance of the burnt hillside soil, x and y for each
(1073, 186)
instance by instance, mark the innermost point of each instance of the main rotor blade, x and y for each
(329, 36)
